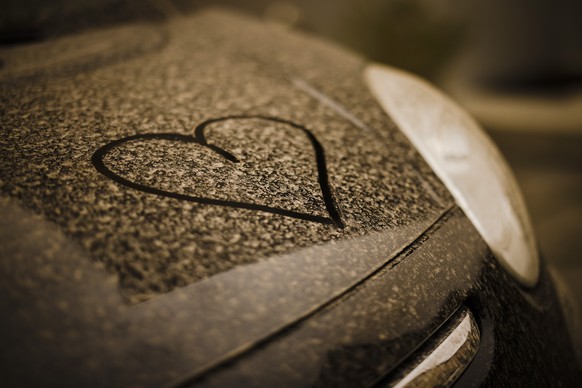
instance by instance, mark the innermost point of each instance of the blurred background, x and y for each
(516, 65)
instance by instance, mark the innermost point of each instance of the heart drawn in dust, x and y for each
(199, 138)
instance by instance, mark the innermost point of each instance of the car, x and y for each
(212, 201)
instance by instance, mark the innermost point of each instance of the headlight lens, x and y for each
(467, 162)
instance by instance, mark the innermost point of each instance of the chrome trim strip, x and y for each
(446, 362)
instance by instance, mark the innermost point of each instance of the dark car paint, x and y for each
(213, 66)
(360, 339)
(334, 307)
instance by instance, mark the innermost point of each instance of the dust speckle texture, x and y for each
(52, 126)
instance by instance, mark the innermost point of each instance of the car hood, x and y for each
(173, 194)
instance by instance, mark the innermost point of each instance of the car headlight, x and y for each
(467, 162)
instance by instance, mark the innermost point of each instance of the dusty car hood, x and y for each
(179, 195)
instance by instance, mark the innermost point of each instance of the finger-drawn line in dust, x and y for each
(199, 138)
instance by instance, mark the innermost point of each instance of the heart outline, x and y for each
(200, 139)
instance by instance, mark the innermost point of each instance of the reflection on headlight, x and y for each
(466, 160)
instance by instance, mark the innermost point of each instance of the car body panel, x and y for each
(111, 284)
(197, 282)
(364, 338)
